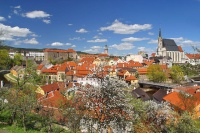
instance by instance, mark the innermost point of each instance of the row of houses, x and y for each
(46, 54)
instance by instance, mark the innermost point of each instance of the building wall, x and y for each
(54, 55)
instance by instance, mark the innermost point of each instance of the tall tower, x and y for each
(160, 44)
(106, 49)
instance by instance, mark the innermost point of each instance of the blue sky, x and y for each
(126, 26)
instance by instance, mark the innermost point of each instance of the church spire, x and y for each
(160, 33)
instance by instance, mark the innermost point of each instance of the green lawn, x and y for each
(11, 129)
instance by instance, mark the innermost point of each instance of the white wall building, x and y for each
(136, 58)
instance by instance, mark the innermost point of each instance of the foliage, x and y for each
(155, 73)
(72, 115)
(190, 70)
(30, 73)
(187, 102)
(5, 59)
(183, 124)
(176, 73)
(18, 58)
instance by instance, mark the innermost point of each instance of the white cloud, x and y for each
(95, 37)
(15, 12)
(18, 7)
(2, 18)
(76, 38)
(9, 16)
(147, 50)
(150, 33)
(96, 47)
(153, 41)
(31, 41)
(34, 35)
(93, 49)
(133, 39)
(46, 21)
(36, 14)
(185, 42)
(57, 44)
(123, 46)
(81, 30)
(141, 48)
(70, 24)
(68, 44)
(10, 32)
(97, 40)
(60, 44)
(120, 28)
(73, 46)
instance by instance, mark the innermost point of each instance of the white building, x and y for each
(136, 58)
(38, 56)
(168, 48)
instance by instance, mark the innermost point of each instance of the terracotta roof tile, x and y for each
(193, 56)
(129, 78)
(153, 54)
(50, 87)
(180, 49)
(148, 62)
(142, 70)
(39, 67)
(60, 50)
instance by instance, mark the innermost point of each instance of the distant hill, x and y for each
(28, 49)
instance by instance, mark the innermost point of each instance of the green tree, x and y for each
(176, 73)
(4, 59)
(182, 124)
(155, 73)
(18, 58)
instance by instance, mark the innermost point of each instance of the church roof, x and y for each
(170, 45)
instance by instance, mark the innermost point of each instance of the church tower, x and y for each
(106, 49)
(160, 44)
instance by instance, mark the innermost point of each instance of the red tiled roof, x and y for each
(148, 62)
(87, 59)
(70, 73)
(153, 54)
(129, 78)
(193, 56)
(142, 71)
(134, 64)
(63, 66)
(50, 87)
(39, 67)
(175, 99)
(53, 69)
(88, 55)
(115, 58)
(60, 50)
(121, 65)
(180, 49)
(103, 55)
(121, 72)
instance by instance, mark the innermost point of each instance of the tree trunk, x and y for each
(24, 123)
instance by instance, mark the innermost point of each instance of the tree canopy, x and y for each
(176, 73)
(5, 59)
(155, 73)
